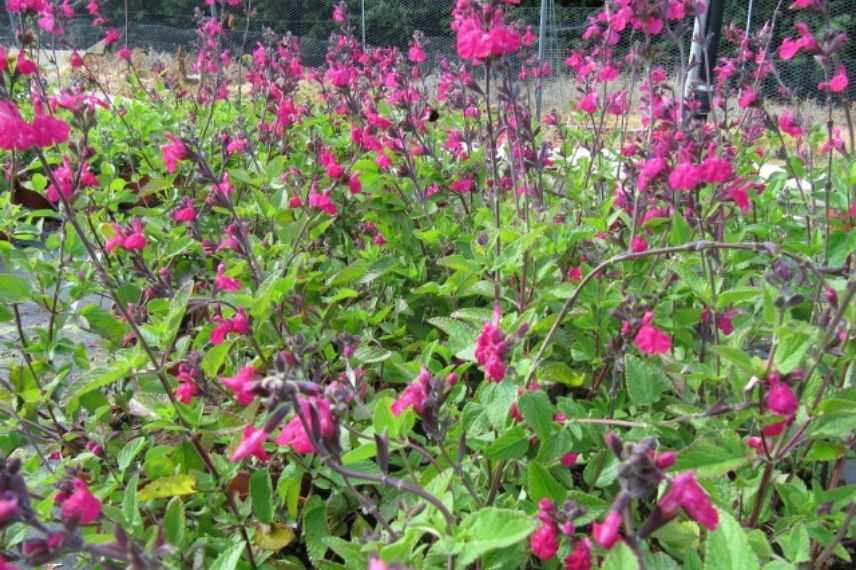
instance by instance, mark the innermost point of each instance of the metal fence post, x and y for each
(542, 30)
(363, 21)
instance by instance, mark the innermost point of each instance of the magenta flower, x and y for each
(111, 37)
(416, 54)
(24, 65)
(186, 390)
(238, 324)
(491, 348)
(81, 505)
(651, 340)
(544, 542)
(686, 493)
(588, 103)
(354, 184)
(685, 176)
(638, 244)
(607, 534)
(838, 83)
(569, 459)
(789, 125)
(294, 435)
(173, 152)
(463, 185)
(322, 201)
(242, 384)
(781, 400)
(802, 4)
(8, 507)
(251, 445)
(574, 274)
(414, 395)
(187, 212)
(223, 282)
(136, 240)
(580, 557)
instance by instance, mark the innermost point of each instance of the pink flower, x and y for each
(8, 507)
(223, 282)
(237, 145)
(116, 240)
(544, 542)
(723, 321)
(638, 244)
(588, 103)
(575, 274)
(24, 65)
(607, 534)
(685, 176)
(238, 324)
(414, 395)
(416, 54)
(81, 505)
(187, 213)
(802, 4)
(111, 37)
(331, 167)
(462, 185)
(789, 48)
(354, 184)
(321, 201)
(781, 400)
(48, 131)
(135, 240)
(186, 389)
(339, 13)
(788, 125)
(686, 493)
(665, 460)
(294, 435)
(242, 384)
(651, 340)
(173, 152)
(252, 445)
(491, 348)
(569, 459)
(838, 83)
(580, 557)
(715, 170)
(747, 98)
(738, 193)
(124, 53)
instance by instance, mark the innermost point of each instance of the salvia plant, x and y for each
(386, 313)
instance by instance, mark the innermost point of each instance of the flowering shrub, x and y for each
(381, 315)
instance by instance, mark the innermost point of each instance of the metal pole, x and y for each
(542, 30)
(703, 55)
(363, 20)
(749, 17)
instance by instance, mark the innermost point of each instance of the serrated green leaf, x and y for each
(620, 557)
(728, 548)
(229, 558)
(261, 494)
(645, 384)
(315, 528)
(172, 486)
(14, 288)
(490, 529)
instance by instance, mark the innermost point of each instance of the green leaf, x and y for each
(795, 544)
(541, 483)
(129, 452)
(713, 456)
(14, 288)
(174, 521)
(103, 323)
(102, 377)
(561, 373)
(490, 529)
(793, 344)
(214, 358)
(735, 356)
(229, 558)
(645, 384)
(497, 400)
(512, 444)
(172, 486)
(620, 557)
(461, 335)
(315, 528)
(538, 413)
(261, 494)
(681, 231)
(129, 503)
(177, 309)
(728, 548)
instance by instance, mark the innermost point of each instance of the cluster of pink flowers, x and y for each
(62, 181)
(782, 401)
(242, 384)
(481, 32)
(133, 239)
(414, 395)
(187, 387)
(492, 347)
(17, 134)
(238, 324)
(223, 282)
(294, 433)
(544, 542)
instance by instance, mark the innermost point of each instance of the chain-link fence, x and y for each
(166, 26)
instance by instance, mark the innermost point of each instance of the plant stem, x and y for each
(842, 532)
